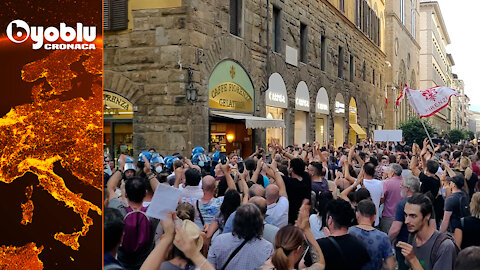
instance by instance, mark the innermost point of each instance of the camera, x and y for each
(223, 158)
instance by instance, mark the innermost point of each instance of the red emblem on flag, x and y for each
(430, 94)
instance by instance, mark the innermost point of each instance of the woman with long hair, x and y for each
(290, 247)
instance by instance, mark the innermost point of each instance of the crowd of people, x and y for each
(364, 206)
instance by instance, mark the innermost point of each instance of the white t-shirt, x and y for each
(195, 192)
(277, 213)
(375, 187)
(316, 226)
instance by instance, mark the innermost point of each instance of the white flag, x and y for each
(428, 102)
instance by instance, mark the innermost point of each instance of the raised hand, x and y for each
(302, 221)
(147, 169)
(121, 162)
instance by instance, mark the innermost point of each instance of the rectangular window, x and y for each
(373, 77)
(364, 71)
(342, 5)
(323, 54)
(352, 68)
(377, 32)
(340, 62)
(236, 16)
(276, 30)
(413, 19)
(357, 13)
(402, 11)
(115, 15)
(303, 42)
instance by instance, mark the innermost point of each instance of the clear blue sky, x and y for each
(462, 20)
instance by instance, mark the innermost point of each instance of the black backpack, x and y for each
(436, 245)
(464, 205)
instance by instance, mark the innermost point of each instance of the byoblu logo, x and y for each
(18, 31)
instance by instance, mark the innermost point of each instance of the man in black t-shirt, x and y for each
(430, 181)
(342, 250)
(299, 187)
(456, 205)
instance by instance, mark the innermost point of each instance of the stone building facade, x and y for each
(163, 64)
(459, 105)
(403, 55)
(435, 63)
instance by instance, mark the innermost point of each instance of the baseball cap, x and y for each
(458, 180)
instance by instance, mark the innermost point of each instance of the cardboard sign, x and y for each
(387, 135)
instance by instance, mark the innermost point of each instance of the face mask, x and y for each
(158, 169)
(201, 163)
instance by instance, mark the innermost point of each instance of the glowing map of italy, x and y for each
(53, 130)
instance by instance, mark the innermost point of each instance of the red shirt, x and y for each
(475, 169)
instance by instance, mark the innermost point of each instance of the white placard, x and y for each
(388, 135)
(165, 199)
(291, 56)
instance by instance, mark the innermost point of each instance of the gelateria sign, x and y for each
(115, 101)
(230, 88)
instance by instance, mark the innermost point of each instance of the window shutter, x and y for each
(233, 17)
(118, 15)
(239, 17)
(106, 15)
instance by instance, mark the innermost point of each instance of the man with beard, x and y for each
(423, 251)
(398, 231)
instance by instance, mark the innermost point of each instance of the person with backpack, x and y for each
(139, 229)
(466, 234)
(456, 205)
(426, 249)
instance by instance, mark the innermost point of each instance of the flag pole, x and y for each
(428, 134)
(424, 127)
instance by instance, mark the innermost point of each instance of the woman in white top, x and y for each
(317, 220)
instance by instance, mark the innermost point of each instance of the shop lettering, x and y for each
(339, 107)
(322, 106)
(116, 100)
(276, 97)
(230, 87)
(302, 102)
(231, 103)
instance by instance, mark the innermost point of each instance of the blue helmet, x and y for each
(146, 154)
(157, 159)
(199, 159)
(129, 159)
(169, 161)
(129, 166)
(216, 156)
(198, 150)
